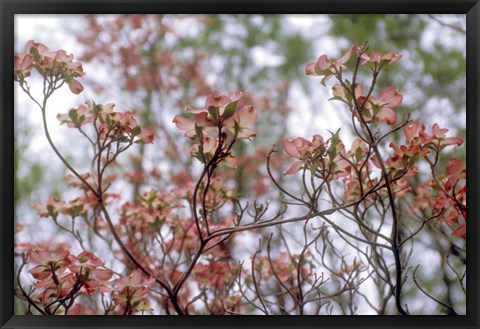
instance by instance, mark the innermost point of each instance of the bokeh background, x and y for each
(156, 65)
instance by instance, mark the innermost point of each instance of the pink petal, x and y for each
(454, 166)
(375, 161)
(146, 135)
(342, 167)
(103, 274)
(23, 61)
(338, 91)
(395, 58)
(135, 277)
(195, 111)
(237, 96)
(246, 133)
(216, 101)
(75, 86)
(323, 63)
(461, 231)
(231, 161)
(209, 144)
(39, 272)
(387, 115)
(105, 289)
(358, 90)
(61, 56)
(412, 130)
(375, 57)
(294, 168)
(290, 147)
(345, 57)
(364, 58)
(391, 97)
(437, 131)
(247, 116)
(183, 123)
(41, 256)
(310, 69)
(392, 57)
(191, 134)
(40, 47)
(454, 141)
(201, 119)
(317, 141)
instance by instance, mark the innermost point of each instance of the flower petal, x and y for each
(323, 63)
(310, 69)
(146, 135)
(391, 97)
(183, 123)
(290, 147)
(103, 274)
(294, 168)
(461, 231)
(387, 115)
(75, 87)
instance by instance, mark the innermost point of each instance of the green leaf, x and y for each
(358, 154)
(335, 136)
(50, 209)
(413, 159)
(348, 84)
(332, 152)
(136, 131)
(336, 98)
(213, 112)
(198, 132)
(236, 128)
(35, 53)
(324, 82)
(73, 115)
(96, 109)
(313, 167)
(366, 113)
(229, 110)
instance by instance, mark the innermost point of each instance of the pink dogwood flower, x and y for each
(110, 124)
(443, 141)
(23, 64)
(49, 262)
(146, 135)
(89, 269)
(381, 109)
(328, 67)
(75, 86)
(217, 127)
(225, 105)
(375, 57)
(300, 148)
(199, 120)
(52, 64)
(132, 290)
(51, 289)
(241, 123)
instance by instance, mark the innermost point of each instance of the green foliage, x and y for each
(30, 178)
(439, 71)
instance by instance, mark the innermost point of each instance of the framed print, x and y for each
(227, 164)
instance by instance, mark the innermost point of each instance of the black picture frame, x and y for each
(9, 8)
